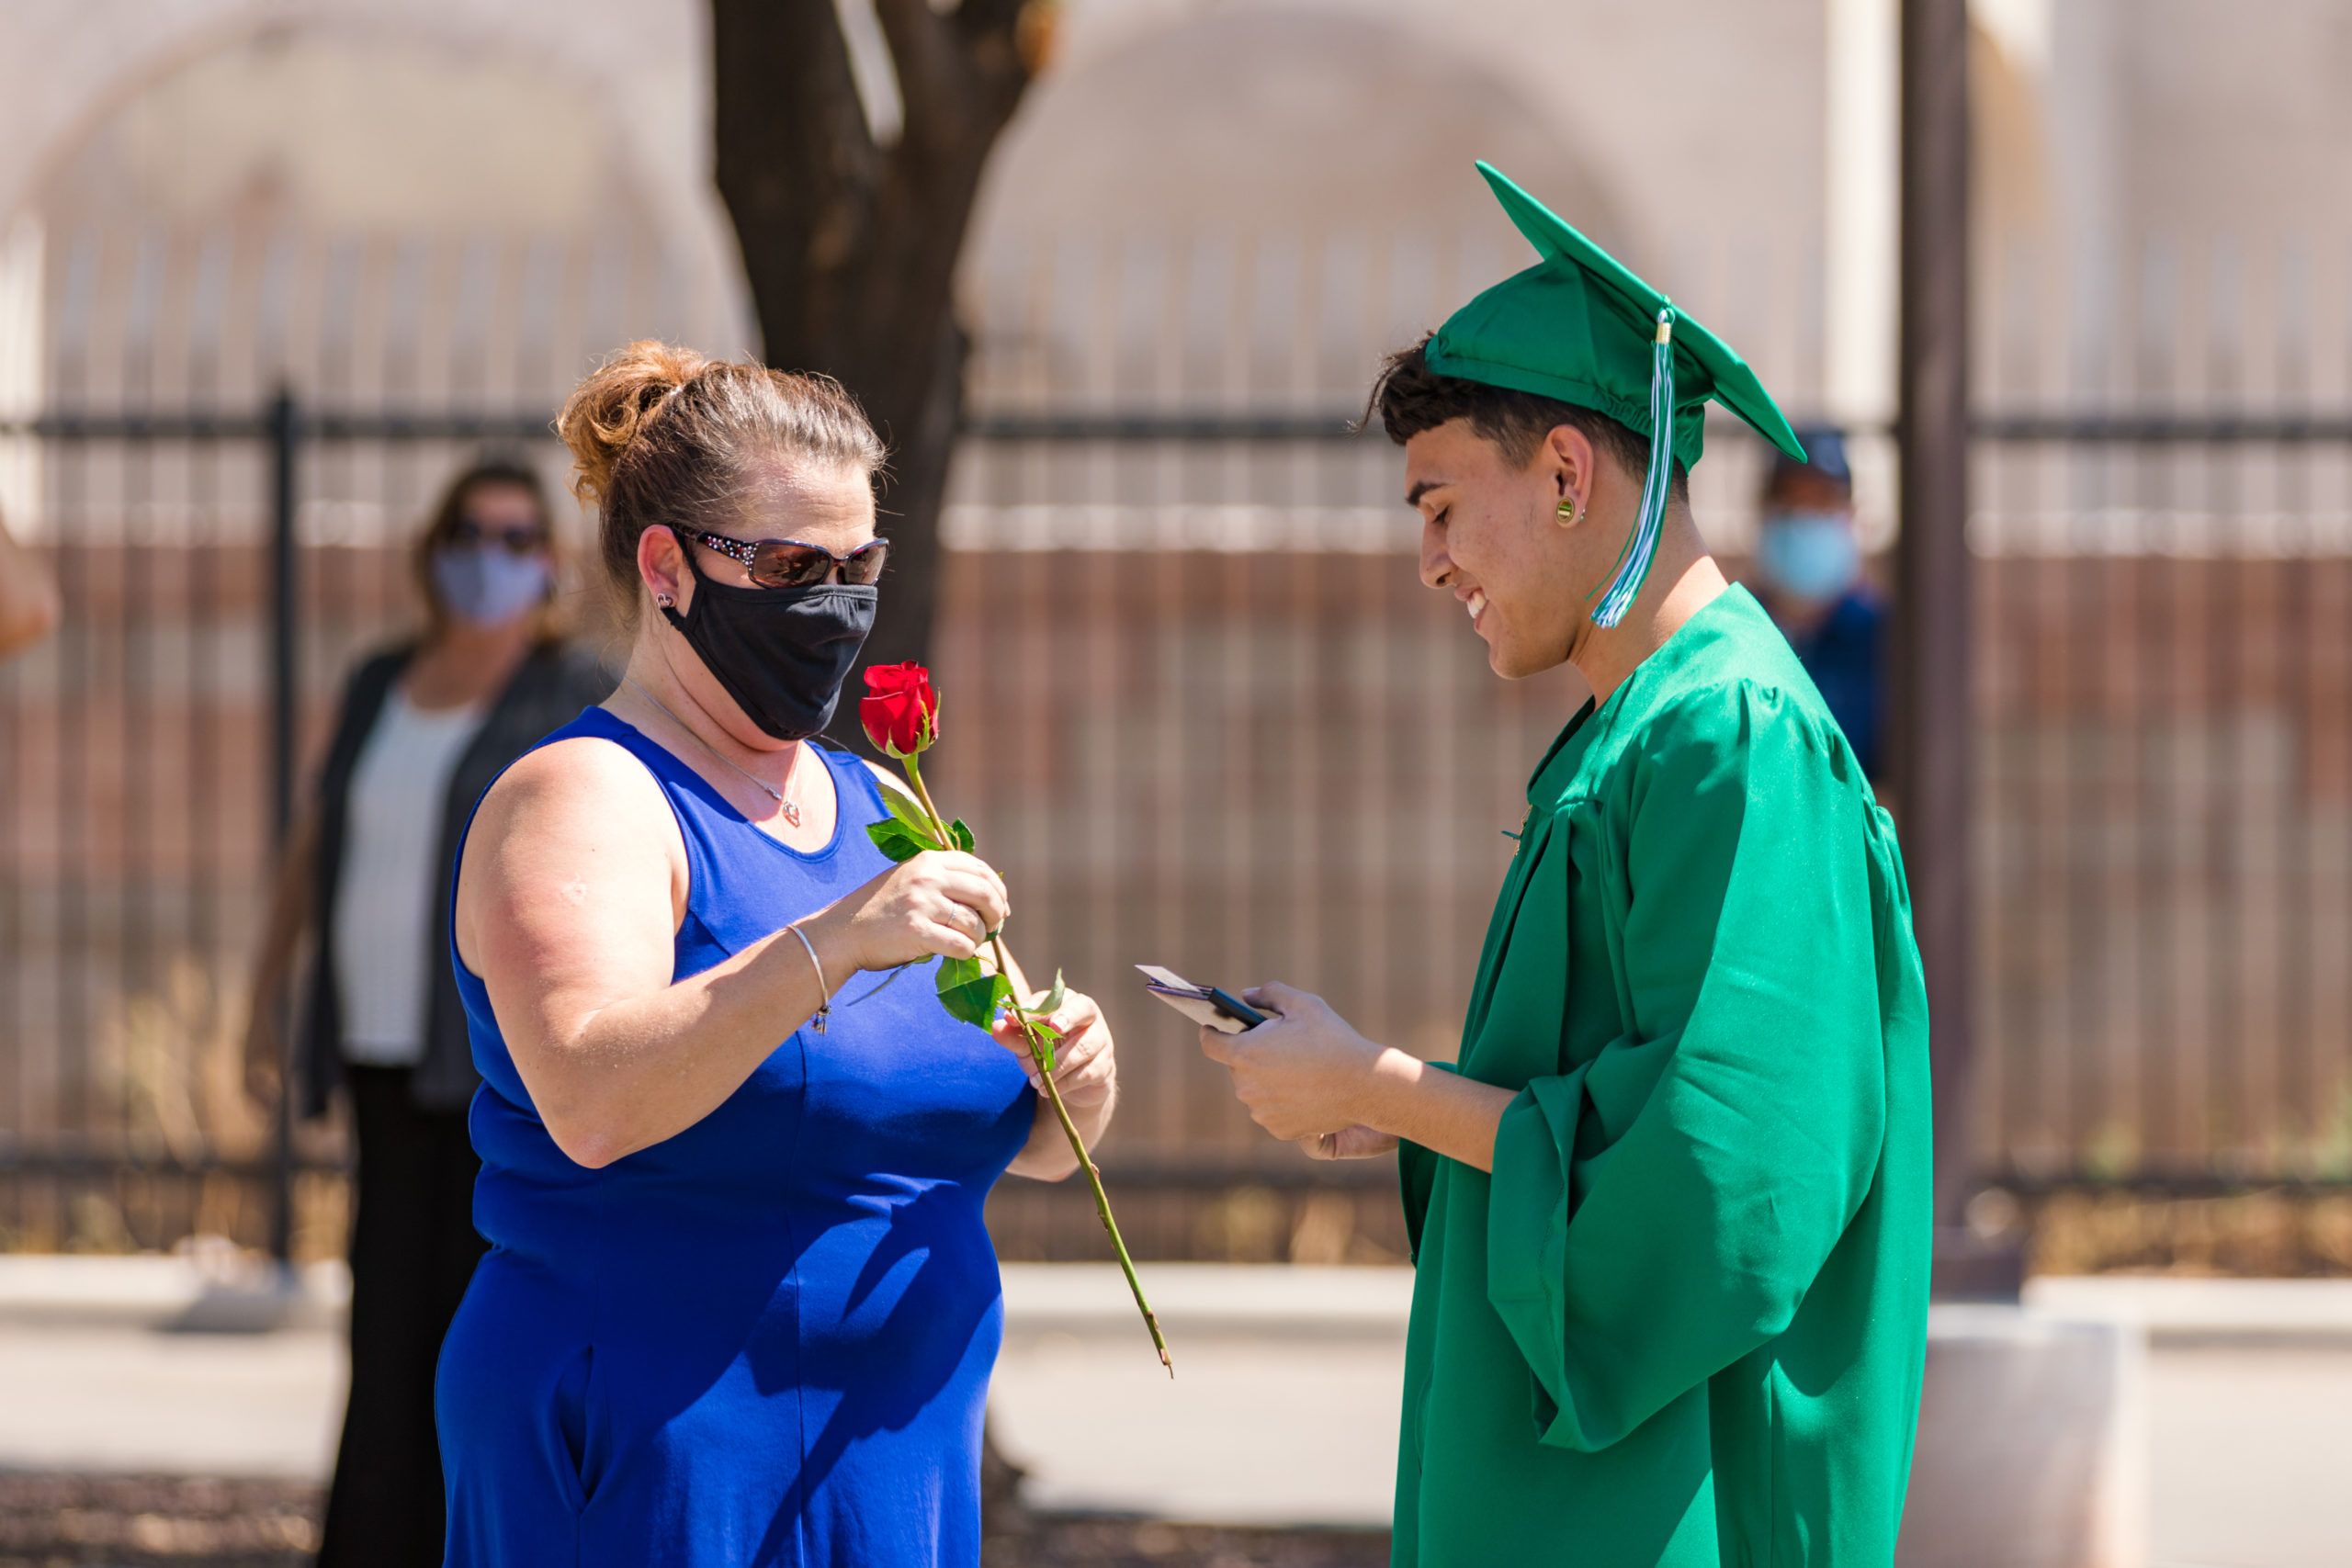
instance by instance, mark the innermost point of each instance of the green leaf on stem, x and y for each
(898, 841)
(905, 807)
(1045, 1037)
(1042, 1034)
(969, 993)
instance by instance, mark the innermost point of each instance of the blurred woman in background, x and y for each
(423, 727)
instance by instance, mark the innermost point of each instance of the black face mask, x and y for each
(782, 653)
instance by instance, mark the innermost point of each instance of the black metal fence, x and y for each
(2164, 801)
(1228, 732)
(219, 570)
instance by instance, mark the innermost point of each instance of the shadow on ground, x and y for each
(157, 1522)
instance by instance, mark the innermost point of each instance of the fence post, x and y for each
(1933, 711)
(285, 442)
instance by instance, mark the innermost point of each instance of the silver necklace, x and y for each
(791, 812)
(791, 815)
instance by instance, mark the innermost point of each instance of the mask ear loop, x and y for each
(1632, 569)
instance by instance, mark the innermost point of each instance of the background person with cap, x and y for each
(1809, 576)
(1671, 1211)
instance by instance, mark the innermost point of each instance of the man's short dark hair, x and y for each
(1409, 397)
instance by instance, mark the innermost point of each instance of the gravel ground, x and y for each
(150, 1522)
(147, 1522)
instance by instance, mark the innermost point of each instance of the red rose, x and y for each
(901, 711)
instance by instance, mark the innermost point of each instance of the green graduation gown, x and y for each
(1683, 1321)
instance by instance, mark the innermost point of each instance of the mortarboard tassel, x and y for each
(1641, 541)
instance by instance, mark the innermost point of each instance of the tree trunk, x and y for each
(922, 446)
(850, 246)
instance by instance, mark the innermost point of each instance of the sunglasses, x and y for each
(467, 534)
(790, 563)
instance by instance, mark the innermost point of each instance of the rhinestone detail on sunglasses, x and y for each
(795, 563)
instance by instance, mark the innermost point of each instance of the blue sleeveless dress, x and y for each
(766, 1340)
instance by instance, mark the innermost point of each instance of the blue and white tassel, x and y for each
(1641, 543)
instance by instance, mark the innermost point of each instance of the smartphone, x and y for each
(1220, 1011)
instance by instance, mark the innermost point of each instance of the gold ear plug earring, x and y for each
(1569, 511)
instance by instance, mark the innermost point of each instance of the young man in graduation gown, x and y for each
(1670, 1210)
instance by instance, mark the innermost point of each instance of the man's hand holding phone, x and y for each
(1204, 1005)
(1305, 1075)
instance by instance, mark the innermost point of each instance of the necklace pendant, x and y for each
(791, 813)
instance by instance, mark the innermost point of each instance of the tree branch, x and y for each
(795, 161)
(991, 33)
(976, 19)
(934, 73)
(783, 83)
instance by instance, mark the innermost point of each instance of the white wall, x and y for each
(1702, 141)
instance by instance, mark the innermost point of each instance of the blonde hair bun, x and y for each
(606, 412)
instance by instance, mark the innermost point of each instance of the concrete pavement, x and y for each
(1283, 1411)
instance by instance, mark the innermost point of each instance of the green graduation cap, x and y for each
(1579, 327)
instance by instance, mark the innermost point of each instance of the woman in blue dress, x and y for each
(739, 1306)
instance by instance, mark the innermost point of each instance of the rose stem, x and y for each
(1054, 1096)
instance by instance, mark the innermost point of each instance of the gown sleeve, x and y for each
(1659, 1212)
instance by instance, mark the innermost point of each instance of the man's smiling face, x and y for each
(1492, 536)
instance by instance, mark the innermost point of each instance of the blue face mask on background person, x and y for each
(485, 586)
(1812, 555)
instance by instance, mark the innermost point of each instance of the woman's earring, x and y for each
(665, 601)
